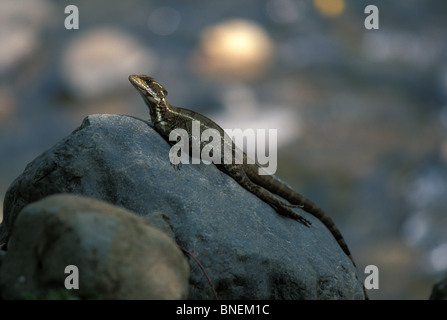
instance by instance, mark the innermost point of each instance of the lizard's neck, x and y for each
(160, 116)
(157, 111)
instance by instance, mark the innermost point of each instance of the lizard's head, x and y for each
(152, 92)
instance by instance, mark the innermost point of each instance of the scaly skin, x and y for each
(166, 118)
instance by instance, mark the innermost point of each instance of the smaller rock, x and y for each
(117, 254)
(439, 291)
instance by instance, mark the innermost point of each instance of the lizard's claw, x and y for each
(301, 206)
(304, 221)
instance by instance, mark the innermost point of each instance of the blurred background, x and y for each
(361, 114)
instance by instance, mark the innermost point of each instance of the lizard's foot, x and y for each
(301, 219)
(285, 210)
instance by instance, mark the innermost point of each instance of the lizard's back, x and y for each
(268, 182)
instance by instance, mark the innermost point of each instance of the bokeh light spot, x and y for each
(235, 48)
(330, 8)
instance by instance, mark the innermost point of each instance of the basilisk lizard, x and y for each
(166, 118)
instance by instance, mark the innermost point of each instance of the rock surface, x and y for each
(117, 254)
(246, 248)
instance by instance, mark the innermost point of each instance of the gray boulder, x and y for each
(117, 254)
(247, 249)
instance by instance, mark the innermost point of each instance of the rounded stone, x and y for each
(117, 255)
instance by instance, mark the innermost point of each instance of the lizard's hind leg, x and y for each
(237, 173)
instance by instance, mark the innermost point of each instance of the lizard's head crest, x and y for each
(152, 91)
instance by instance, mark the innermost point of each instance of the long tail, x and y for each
(282, 190)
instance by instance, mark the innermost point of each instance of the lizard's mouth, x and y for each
(144, 88)
(144, 85)
(137, 82)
